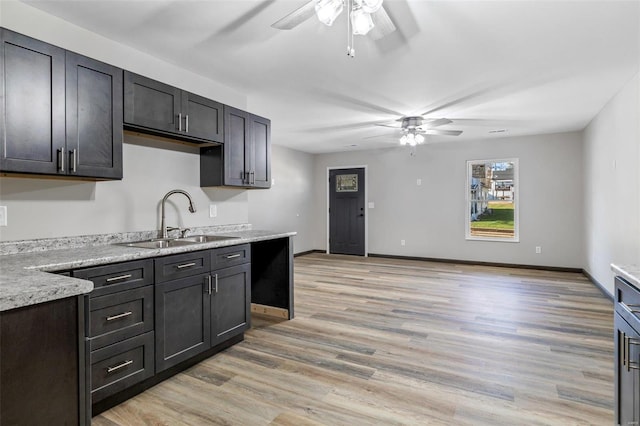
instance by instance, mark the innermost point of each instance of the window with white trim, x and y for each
(492, 200)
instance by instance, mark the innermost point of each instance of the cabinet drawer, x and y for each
(628, 302)
(121, 365)
(118, 277)
(118, 316)
(230, 256)
(182, 265)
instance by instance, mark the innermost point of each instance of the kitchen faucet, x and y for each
(164, 229)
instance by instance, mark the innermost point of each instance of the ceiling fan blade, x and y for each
(296, 17)
(383, 25)
(442, 132)
(387, 125)
(436, 122)
(386, 135)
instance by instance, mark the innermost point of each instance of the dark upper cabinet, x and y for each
(94, 118)
(158, 108)
(245, 158)
(203, 117)
(33, 112)
(62, 113)
(260, 157)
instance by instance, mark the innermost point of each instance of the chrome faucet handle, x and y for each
(183, 232)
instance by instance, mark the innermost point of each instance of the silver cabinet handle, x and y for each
(186, 123)
(630, 308)
(628, 341)
(180, 122)
(61, 151)
(233, 256)
(122, 315)
(209, 284)
(186, 265)
(253, 177)
(216, 283)
(118, 278)
(119, 366)
(73, 160)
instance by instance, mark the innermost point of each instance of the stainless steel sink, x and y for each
(154, 244)
(207, 238)
(178, 242)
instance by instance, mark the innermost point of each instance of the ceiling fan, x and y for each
(366, 17)
(413, 128)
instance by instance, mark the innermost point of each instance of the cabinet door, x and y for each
(627, 362)
(151, 104)
(32, 120)
(203, 117)
(231, 302)
(183, 321)
(260, 169)
(40, 368)
(236, 137)
(94, 118)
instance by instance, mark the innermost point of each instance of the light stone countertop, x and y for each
(631, 273)
(25, 277)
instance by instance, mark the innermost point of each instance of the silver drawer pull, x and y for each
(118, 278)
(186, 265)
(630, 308)
(119, 366)
(122, 315)
(233, 256)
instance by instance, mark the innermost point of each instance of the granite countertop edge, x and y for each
(629, 272)
(26, 278)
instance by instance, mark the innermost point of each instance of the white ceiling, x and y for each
(529, 67)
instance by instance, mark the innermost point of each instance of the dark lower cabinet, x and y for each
(62, 112)
(231, 302)
(183, 312)
(43, 364)
(627, 354)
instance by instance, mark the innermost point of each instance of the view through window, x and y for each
(492, 200)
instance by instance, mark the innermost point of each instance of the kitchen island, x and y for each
(37, 284)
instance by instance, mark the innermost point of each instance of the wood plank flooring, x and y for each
(384, 342)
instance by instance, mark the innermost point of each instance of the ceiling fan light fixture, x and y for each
(361, 21)
(371, 6)
(403, 140)
(328, 10)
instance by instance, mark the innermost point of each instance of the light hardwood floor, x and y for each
(381, 341)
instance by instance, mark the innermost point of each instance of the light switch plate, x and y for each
(213, 210)
(371, 205)
(3, 215)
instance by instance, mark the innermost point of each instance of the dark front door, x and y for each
(346, 211)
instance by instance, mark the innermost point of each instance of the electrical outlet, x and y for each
(3, 215)
(419, 182)
(213, 210)
(402, 242)
(538, 249)
(371, 205)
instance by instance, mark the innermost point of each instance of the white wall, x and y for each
(612, 185)
(431, 217)
(288, 205)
